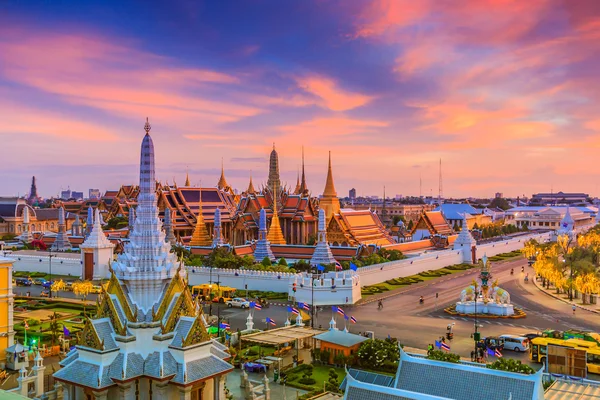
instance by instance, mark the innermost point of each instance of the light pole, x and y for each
(50, 255)
(210, 292)
(218, 308)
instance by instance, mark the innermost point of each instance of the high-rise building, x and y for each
(352, 194)
(77, 195)
(65, 194)
(94, 194)
(499, 195)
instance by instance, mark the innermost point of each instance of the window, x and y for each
(593, 358)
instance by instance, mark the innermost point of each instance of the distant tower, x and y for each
(383, 210)
(274, 183)
(217, 231)
(251, 189)
(33, 195)
(61, 242)
(322, 254)
(330, 201)
(297, 189)
(441, 188)
(187, 179)
(76, 228)
(263, 247)
(168, 226)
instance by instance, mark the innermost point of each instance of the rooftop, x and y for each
(341, 338)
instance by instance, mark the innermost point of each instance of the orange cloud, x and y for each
(381, 15)
(333, 97)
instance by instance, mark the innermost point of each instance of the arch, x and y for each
(18, 228)
(52, 225)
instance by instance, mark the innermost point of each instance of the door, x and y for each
(88, 262)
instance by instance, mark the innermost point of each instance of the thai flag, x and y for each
(271, 322)
(353, 320)
(304, 306)
(295, 311)
(252, 304)
(224, 325)
(340, 311)
(257, 306)
(444, 346)
(353, 267)
(66, 332)
(338, 266)
(497, 353)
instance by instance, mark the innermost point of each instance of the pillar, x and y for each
(38, 371)
(302, 233)
(125, 391)
(101, 395)
(160, 390)
(23, 382)
(185, 393)
(217, 387)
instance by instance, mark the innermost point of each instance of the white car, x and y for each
(238, 302)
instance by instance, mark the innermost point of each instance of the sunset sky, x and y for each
(506, 93)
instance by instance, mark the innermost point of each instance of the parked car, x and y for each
(238, 302)
(39, 281)
(22, 282)
(255, 367)
(47, 284)
(68, 286)
(515, 343)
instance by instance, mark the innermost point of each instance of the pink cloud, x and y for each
(331, 95)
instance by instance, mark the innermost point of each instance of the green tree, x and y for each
(500, 203)
(443, 356)
(332, 384)
(53, 328)
(379, 355)
(266, 262)
(116, 223)
(508, 364)
(282, 262)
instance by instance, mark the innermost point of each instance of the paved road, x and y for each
(418, 325)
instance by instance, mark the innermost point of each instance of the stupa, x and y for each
(26, 236)
(263, 246)
(465, 242)
(61, 242)
(322, 254)
(96, 252)
(217, 231)
(149, 339)
(168, 227)
(479, 298)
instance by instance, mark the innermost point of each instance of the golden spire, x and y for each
(275, 235)
(251, 185)
(200, 237)
(329, 187)
(297, 189)
(222, 184)
(303, 186)
(187, 178)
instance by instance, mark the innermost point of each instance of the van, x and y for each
(515, 343)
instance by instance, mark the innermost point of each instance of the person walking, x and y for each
(573, 308)
(380, 305)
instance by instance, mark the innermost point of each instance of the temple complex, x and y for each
(322, 254)
(149, 339)
(431, 223)
(41, 220)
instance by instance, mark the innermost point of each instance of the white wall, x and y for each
(60, 265)
(346, 291)
(256, 280)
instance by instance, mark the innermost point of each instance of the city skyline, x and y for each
(503, 92)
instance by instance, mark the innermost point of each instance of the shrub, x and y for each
(510, 365)
(307, 381)
(266, 262)
(282, 262)
(443, 356)
(251, 352)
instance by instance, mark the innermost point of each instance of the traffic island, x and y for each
(519, 313)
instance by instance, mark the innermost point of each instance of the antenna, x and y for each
(440, 189)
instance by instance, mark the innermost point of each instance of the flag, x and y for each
(338, 266)
(295, 311)
(490, 352)
(252, 304)
(257, 307)
(224, 325)
(497, 353)
(445, 347)
(26, 324)
(304, 306)
(289, 309)
(320, 268)
(340, 311)
(346, 317)
(438, 344)
(353, 267)
(334, 309)
(66, 331)
(271, 321)
(353, 320)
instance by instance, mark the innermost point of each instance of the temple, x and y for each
(61, 241)
(149, 338)
(431, 223)
(33, 199)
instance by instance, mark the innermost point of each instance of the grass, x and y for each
(320, 375)
(264, 352)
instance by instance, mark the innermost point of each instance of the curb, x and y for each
(563, 300)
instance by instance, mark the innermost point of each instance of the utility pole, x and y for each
(440, 188)
(50, 255)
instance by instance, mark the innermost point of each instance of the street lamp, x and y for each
(50, 255)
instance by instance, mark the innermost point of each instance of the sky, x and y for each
(504, 92)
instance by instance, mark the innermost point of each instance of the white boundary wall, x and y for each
(256, 280)
(41, 263)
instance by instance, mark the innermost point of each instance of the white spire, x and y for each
(322, 253)
(147, 263)
(97, 239)
(217, 232)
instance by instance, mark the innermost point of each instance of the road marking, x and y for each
(511, 325)
(487, 322)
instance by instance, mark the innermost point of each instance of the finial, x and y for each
(273, 145)
(147, 126)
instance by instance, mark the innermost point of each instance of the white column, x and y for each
(160, 390)
(185, 393)
(102, 395)
(125, 391)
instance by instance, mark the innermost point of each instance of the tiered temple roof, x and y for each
(435, 222)
(357, 227)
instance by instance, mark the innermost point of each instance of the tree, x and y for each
(82, 288)
(332, 384)
(500, 203)
(510, 365)
(587, 284)
(58, 286)
(54, 328)
(266, 262)
(116, 223)
(443, 356)
(282, 262)
(380, 355)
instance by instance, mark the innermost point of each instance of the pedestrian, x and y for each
(573, 307)
(429, 349)
(380, 305)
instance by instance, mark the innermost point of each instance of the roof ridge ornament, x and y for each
(147, 126)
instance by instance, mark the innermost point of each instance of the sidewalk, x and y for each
(565, 298)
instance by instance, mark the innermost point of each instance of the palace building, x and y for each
(149, 339)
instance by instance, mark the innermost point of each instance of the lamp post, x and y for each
(218, 309)
(50, 255)
(210, 292)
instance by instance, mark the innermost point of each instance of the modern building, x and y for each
(149, 339)
(352, 194)
(559, 198)
(94, 194)
(65, 194)
(77, 195)
(536, 218)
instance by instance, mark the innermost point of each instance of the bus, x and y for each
(538, 350)
(216, 293)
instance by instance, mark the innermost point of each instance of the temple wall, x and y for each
(432, 259)
(34, 263)
(256, 280)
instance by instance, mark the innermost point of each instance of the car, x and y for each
(39, 281)
(515, 343)
(96, 289)
(22, 282)
(238, 302)
(47, 284)
(68, 286)
(531, 336)
(255, 367)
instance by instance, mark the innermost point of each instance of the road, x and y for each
(418, 325)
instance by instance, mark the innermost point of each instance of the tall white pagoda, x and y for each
(149, 339)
